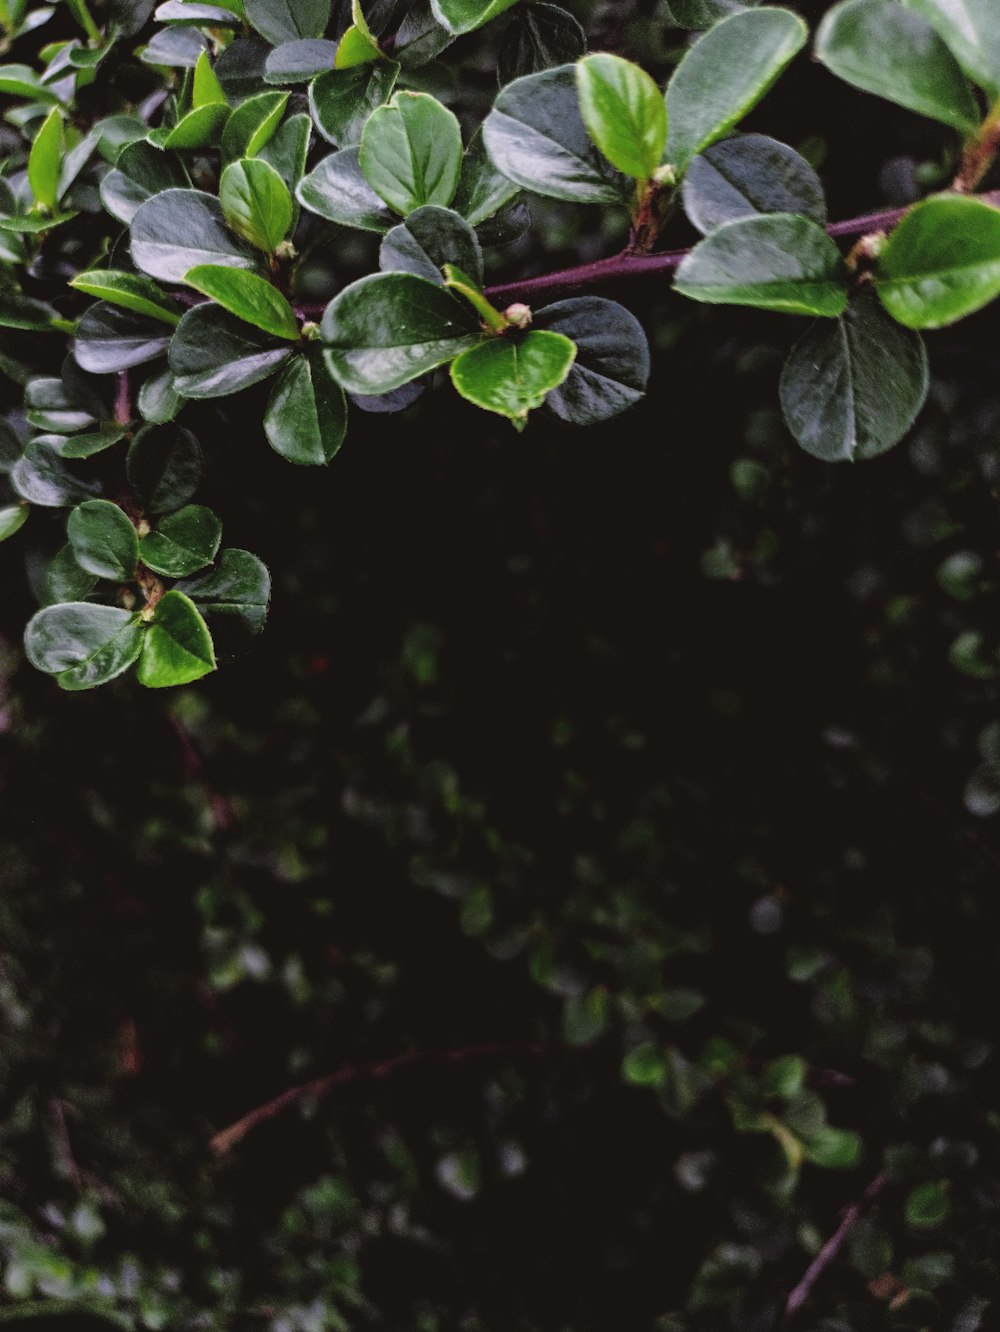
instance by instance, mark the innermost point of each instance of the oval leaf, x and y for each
(103, 540)
(175, 231)
(256, 203)
(306, 416)
(337, 190)
(239, 587)
(130, 291)
(163, 467)
(83, 645)
(213, 354)
(512, 376)
(177, 647)
(183, 542)
(109, 338)
(288, 20)
(750, 174)
(430, 238)
(624, 113)
(611, 368)
(411, 152)
(342, 100)
(459, 16)
(970, 30)
(249, 297)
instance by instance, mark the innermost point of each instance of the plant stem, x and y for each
(833, 1246)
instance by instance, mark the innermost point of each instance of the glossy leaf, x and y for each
(969, 28)
(206, 88)
(164, 467)
(183, 542)
(851, 388)
(65, 580)
(141, 171)
(45, 160)
(725, 74)
(175, 48)
(12, 519)
(256, 203)
(247, 296)
(288, 20)
(482, 190)
(201, 128)
(189, 11)
(177, 647)
(460, 16)
(342, 100)
(89, 443)
(103, 540)
(430, 238)
(130, 291)
(158, 400)
(624, 113)
(179, 229)
(941, 263)
(26, 313)
(41, 477)
(750, 174)
(540, 36)
(611, 367)
(536, 137)
(63, 405)
(411, 152)
(306, 416)
(774, 262)
(82, 644)
(213, 355)
(512, 376)
(337, 190)
(252, 125)
(299, 61)
(238, 587)
(110, 338)
(882, 48)
(389, 328)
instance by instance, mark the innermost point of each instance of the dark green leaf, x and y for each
(103, 540)
(188, 11)
(539, 37)
(430, 238)
(419, 37)
(536, 137)
(176, 48)
(342, 100)
(140, 172)
(239, 587)
(941, 263)
(247, 296)
(158, 399)
(164, 467)
(513, 376)
(460, 16)
(288, 20)
(65, 580)
(878, 46)
(725, 74)
(22, 81)
(750, 174)
(970, 30)
(63, 405)
(624, 113)
(252, 125)
(645, 1066)
(256, 203)
(24, 312)
(177, 648)
(411, 152)
(612, 358)
(41, 477)
(213, 355)
(179, 229)
(482, 190)
(306, 416)
(336, 189)
(774, 262)
(89, 443)
(10, 447)
(240, 70)
(130, 291)
(109, 338)
(297, 62)
(82, 644)
(183, 542)
(852, 388)
(287, 152)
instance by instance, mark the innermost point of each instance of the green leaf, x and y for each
(336, 189)
(189, 11)
(109, 338)
(63, 405)
(201, 128)
(103, 540)
(177, 648)
(45, 160)
(725, 74)
(750, 174)
(512, 376)
(774, 262)
(540, 36)
(419, 37)
(238, 588)
(882, 48)
(355, 48)
(141, 172)
(130, 291)
(65, 580)
(970, 30)
(645, 1066)
(784, 1077)
(82, 644)
(852, 388)
(256, 203)
(247, 296)
(158, 399)
(536, 137)
(252, 125)
(482, 190)
(90, 443)
(22, 81)
(585, 1017)
(411, 152)
(624, 113)
(24, 312)
(214, 355)
(206, 88)
(164, 467)
(941, 263)
(183, 542)
(288, 20)
(12, 519)
(460, 16)
(299, 61)
(175, 48)
(430, 238)
(834, 1149)
(388, 328)
(179, 229)
(342, 100)
(306, 416)
(34, 224)
(611, 367)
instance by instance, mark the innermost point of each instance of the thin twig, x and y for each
(833, 1246)
(123, 400)
(227, 1138)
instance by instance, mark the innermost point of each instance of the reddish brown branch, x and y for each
(833, 1246)
(227, 1138)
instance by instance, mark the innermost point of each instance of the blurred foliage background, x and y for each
(612, 811)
